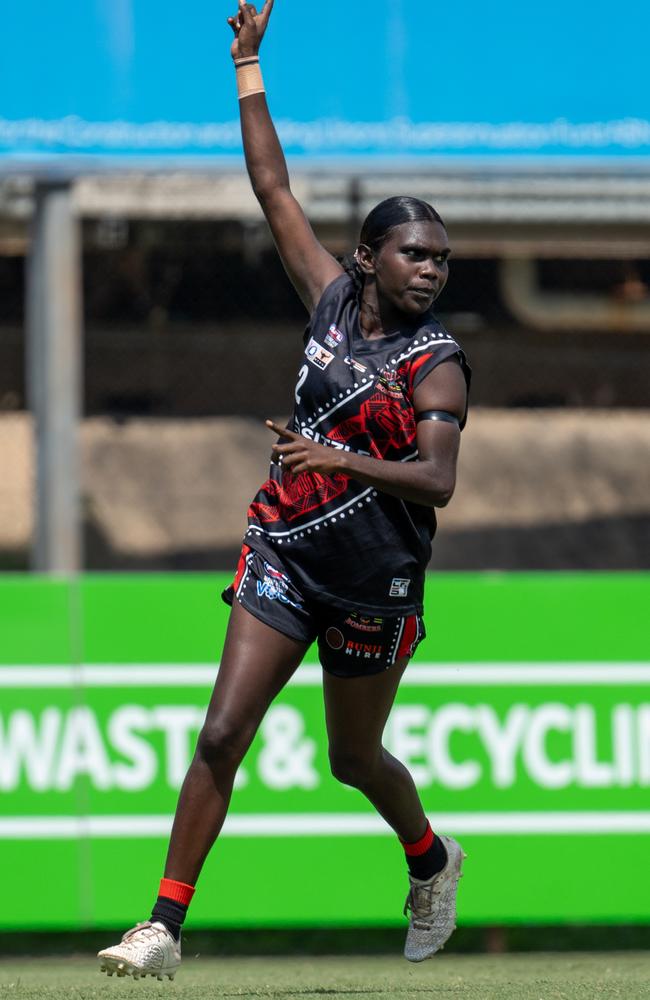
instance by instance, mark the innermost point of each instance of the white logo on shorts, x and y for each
(399, 588)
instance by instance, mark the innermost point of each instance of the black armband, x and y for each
(447, 418)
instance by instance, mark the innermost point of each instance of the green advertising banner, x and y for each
(524, 720)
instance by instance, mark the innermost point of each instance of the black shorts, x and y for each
(350, 643)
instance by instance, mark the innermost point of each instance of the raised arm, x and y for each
(309, 266)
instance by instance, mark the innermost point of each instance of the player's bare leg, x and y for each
(257, 662)
(356, 710)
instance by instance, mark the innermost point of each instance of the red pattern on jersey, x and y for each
(413, 367)
(297, 495)
(386, 418)
(392, 423)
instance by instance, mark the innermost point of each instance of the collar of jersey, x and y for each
(392, 341)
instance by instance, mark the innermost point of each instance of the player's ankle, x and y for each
(425, 857)
(170, 908)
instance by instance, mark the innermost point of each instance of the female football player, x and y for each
(339, 536)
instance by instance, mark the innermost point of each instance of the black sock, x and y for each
(427, 856)
(170, 913)
(171, 906)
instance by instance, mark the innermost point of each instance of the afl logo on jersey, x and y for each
(333, 337)
(318, 355)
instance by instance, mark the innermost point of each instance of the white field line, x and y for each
(325, 824)
(202, 675)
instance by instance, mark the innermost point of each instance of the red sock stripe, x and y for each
(421, 845)
(180, 892)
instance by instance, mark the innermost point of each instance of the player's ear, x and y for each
(365, 258)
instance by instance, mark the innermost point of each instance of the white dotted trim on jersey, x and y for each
(244, 580)
(426, 342)
(345, 510)
(420, 344)
(397, 638)
(392, 655)
(338, 401)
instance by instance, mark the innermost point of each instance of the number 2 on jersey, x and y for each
(302, 375)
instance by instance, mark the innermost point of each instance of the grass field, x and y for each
(624, 975)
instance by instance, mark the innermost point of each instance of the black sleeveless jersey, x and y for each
(342, 542)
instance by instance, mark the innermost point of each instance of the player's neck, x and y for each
(378, 318)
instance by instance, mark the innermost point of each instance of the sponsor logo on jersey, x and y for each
(333, 337)
(364, 624)
(358, 367)
(318, 355)
(399, 587)
(366, 651)
(312, 435)
(275, 586)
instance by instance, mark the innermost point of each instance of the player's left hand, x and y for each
(249, 28)
(302, 455)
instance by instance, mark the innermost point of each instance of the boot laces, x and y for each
(420, 903)
(144, 929)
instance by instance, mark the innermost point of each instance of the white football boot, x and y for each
(146, 950)
(432, 905)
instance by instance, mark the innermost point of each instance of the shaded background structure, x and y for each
(168, 288)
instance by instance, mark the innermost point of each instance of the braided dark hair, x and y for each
(385, 216)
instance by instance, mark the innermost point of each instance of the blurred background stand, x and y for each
(53, 314)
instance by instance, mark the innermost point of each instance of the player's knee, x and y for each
(223, 743)
(354, 769)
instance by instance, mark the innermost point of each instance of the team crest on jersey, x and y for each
(388, 382)
(333, 337)
(318, 355)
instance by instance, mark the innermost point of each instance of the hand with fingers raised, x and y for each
(301, 455)
(249, 28)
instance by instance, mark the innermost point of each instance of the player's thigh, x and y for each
(257, 662)
(357, 709)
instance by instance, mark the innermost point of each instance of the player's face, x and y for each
(411, 266)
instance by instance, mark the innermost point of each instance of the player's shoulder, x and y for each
(340, 293)
(429, 346)
(431, 340)
(434, 333)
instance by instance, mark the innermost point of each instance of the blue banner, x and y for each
(121, 79)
